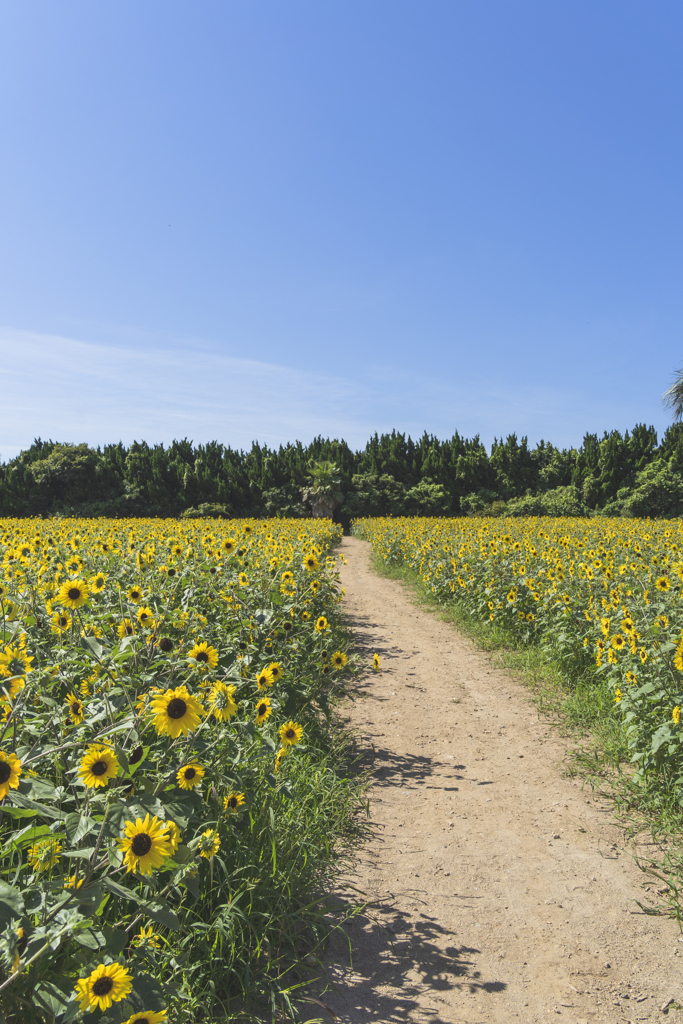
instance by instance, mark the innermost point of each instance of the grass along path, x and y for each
(500, 889)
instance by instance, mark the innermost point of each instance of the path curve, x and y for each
(501, 890)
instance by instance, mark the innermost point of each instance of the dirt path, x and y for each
(503, 892)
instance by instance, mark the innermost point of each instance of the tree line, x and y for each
(631, 474)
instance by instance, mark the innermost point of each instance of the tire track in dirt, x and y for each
(501, 891)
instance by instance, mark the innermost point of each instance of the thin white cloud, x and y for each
(70, 390)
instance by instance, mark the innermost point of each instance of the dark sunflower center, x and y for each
(171, 572)
(290, 734)
(136, 755)
(176, 708)
(141, 844)
(98, 768)
(202, 656)
(63, 621)
(103, 986)
(5, 771)
(190, 773)
(232, 802)
(166, 644)
(262, 709)
(76, 708)
(74, 593)
(143, 616)
(129, 629)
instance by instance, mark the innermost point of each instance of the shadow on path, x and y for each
(412, 956)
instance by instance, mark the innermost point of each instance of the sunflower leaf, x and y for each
(161, 913)
(91, 645)
(19, 800)
(77, 826)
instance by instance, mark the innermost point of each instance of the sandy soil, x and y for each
(501, 890)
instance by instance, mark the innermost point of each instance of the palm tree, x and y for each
(323, 495)
(673, 397)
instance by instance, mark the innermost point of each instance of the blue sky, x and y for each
(266, 220)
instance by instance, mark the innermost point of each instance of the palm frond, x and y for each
(673, 397)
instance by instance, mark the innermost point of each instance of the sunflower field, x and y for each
(169, 784)
(604, 597)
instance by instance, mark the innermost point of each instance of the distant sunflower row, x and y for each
(605, 595)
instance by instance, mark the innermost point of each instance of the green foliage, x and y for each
(452, 477)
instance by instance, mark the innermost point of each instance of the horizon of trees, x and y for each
(629, 474)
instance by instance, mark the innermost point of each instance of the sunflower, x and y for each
(221, 701)
(643, 656)
(145, 844)
(631, 678)
(305, 616)
(287, 577)
(618, 642)
(209, 843)
(44, 855)
(190, 775)
(108, 983)
(10, 770)
(145, 617)
(174, 835)
(279, 758)
(678, 657)
(97, 582)
(263, 710)
(243, 579)
(135, 595)
(264, 678)
(125, 628)
(676, 715)
(276, 669)
(663, 584)
(147, 937)
(311, 562)
(375, 662)
(176, 712)
(75, 708)
(98, 766)
(321, 624)
(73, 594)
(512, 596)
(205, 656)
(617, 695)
(662, 621)
(14, 662)
(291, 733)
(338, 660)
(229, 545)
(60, 622)
(232, 802)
